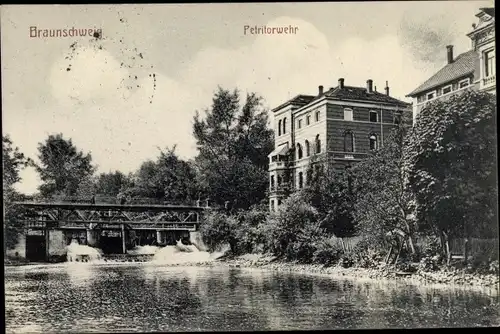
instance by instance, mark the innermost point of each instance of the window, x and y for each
(272, 205)
(280, 180)
(299, 123)
(308, 148)
(397, 118)
(464, 83)
(489, 64)
(272, 182)
(431, 95)
(447, 89)
(373, 116)
(317, 116)
(347, 114)
(301, 180)
(348, 142)
(284, 125)
(299, 151)
(279, 202)
(279, 128)
(308, 119)
(373, 142)
(318, 144)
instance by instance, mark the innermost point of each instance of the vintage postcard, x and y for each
(249, 166)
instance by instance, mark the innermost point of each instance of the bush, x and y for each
(249, 230)
(218, 229)
(327, 252)
(293, 231)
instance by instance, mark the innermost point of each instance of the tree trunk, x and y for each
(389, 254)
(466, 249)
(447, 248)
(399, 252)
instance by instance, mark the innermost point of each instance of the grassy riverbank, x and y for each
(443, 277)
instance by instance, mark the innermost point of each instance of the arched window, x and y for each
(301, 180)
(308, 148)
(279, 128)
(317, 116)
(284, 125)
(373, 142)
(318, 144)
(348, 141)
(299, 151)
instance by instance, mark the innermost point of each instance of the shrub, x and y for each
(218, 229)
(293, 231)
(327, 252)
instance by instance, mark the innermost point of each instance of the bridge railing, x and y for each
(104, 199)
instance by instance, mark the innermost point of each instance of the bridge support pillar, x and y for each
(91, 238)
(124, 248)
(159, 237)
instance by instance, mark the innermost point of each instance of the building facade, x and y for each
(345, 123)
(474, 69)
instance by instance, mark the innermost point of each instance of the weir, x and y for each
(113, 228)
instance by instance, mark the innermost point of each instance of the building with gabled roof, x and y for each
(344, 123)
(474, 69)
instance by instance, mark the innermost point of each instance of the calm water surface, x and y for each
(142, 297)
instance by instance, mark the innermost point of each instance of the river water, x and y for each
(82, 297)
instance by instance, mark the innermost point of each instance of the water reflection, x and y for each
(141, 297)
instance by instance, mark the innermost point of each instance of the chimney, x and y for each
(320, 90)
(369, 86)
(375, 88)
(449, 48)
(387, 88)
(341, 83)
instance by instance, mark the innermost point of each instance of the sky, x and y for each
(135, 89)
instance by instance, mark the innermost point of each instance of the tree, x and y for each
(451, 163)
(110, 184)
(233, 145)
(294, 230)
(168, 178)
(330, 192)
(383, 205)
(13, 162)
(62, 167)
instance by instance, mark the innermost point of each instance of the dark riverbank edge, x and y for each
(444, 278)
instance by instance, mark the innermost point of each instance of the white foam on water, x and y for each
(75, 251)
(183, 254)
(143, 250)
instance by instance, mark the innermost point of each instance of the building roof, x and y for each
(489, 10)
(299, 100)
(463, 65)
(360, 94)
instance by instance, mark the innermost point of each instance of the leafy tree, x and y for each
(330, 192)
(13, 162)
(233, 145)
(110, 184)
(383, 205)
(294, 230)
(451, 163)
(62, 167)
(218, 229)
(168, 178)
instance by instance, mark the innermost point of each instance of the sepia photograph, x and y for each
(206, 167)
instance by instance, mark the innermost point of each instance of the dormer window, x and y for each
(446, 89)
(464, 83)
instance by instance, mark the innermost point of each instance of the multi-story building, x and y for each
(344, 122)
(474, 69)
